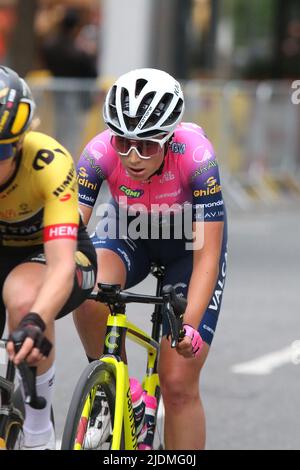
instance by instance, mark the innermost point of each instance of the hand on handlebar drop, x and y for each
(191, 344)
(28, 342)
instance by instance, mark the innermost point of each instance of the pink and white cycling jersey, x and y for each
(189, 175)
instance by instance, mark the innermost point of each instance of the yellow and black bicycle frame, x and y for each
(118, 328)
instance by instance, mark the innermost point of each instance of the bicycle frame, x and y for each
(114, 371)
(118, 327)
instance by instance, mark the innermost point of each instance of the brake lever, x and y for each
(28, 376)
(175, 324)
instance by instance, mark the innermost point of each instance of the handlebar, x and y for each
(28, 376)
(112, 295)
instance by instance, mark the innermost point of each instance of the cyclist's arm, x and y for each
(57, 184)
(58, 280)
(203, 280)
(203, 180)
(56, 288)
(205, 272)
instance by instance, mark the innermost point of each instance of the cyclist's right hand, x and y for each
(192, 343)
(28, 342)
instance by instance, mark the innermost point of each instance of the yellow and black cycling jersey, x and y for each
(40, 201)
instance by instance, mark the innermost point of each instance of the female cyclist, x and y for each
(160, 171)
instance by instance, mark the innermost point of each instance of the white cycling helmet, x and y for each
(144, 103)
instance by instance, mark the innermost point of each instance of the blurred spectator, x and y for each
(66, 53)
(69, 51)
(7, 23)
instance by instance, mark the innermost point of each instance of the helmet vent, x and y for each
(139, 86)
(112, 106)
(130, 122)
(175, 114)
(159, 110)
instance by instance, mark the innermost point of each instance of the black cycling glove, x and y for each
(31, 326)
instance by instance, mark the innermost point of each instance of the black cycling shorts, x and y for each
(84, 279)
(138, 254)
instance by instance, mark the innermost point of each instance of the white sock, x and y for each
(38, 426)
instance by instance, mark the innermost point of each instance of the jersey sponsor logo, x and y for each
(57, 231)
(8, 214)
(83, 180)
(173, 194)
(126, 257)
(167, 176)
(214, 215)
(212, 188)
(11, 230)
(204, 168)
(98, 148)
(40, 258)
(82, 172)
(59, 150)
(4, 194)
(210, 182)
(217, 296)
(83, 197)
(214, 204)
(178, 147)
(209, 329)
(200, 156)
(65, 198)
(93, 165)
(43, 158)
(86, 183)
(133, 193)
(24, 209)
(67, 182)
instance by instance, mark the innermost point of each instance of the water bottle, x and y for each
(138, 404)
(148, 430)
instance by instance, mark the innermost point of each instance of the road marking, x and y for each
(266, 364)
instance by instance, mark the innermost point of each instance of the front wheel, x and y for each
(14, 437)
(89, 422)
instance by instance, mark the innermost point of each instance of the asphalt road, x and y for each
(258, 408)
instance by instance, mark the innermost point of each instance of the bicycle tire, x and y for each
(13, 430)
(96, 375)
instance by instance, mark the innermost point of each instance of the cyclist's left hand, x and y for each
(191, 345)
(29, 334)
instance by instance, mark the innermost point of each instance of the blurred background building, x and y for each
(235, 59)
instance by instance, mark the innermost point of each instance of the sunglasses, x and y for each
(145, 148)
